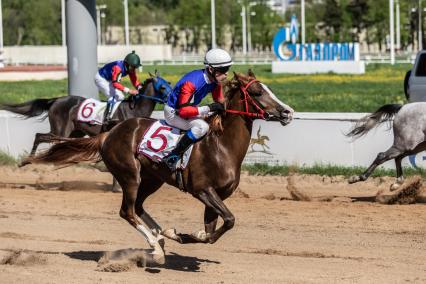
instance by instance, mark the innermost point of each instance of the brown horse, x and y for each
(213, 171)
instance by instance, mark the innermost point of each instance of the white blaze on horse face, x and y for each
(272, 95)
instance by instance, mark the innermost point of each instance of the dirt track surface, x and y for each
(57, 226)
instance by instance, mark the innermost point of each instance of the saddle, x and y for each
(159, 140)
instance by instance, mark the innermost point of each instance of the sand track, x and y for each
(63, 227)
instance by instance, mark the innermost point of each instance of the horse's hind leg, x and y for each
(382, 157)
(146, 188)
(39, 138)
(399, 175)
(126, 170)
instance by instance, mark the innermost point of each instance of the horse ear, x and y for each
(150, 74)
(157, 73)
(250, 73)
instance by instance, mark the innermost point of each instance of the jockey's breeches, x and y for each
(107, 88)
(198, 126)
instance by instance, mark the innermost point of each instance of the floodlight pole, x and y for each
(213, 15)
(392, 33)
(126, 21)
(243, 15)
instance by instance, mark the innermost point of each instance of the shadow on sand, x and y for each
(174, 261)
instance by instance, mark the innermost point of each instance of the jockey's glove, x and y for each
(216, 107)
(139, 87)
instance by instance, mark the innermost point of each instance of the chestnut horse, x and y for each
(211, 176)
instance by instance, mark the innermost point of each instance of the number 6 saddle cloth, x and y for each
(159, 140)
(92, 111)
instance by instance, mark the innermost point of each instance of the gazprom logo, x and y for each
(286, 47)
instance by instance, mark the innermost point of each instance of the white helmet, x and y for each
(217, 57)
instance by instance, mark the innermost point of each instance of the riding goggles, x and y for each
(222, 69)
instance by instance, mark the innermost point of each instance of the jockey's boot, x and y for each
(174, 156)
(107, 114)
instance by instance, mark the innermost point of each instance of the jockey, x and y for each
(109, 76)
(182, 110)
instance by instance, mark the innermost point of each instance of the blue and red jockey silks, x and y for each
(190, 90)
(114, 71)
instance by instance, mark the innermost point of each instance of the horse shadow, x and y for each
(174, 261)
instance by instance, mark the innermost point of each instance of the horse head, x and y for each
(161, 87)
(259, 101)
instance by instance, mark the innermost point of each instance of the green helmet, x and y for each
(132, 59)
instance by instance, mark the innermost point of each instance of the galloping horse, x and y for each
(213, 171)
(409, 128)
(62, 111)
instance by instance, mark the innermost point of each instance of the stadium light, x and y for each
(244, 29)
(392, 33)
(213, 15)
(64, 40)
(126, 21)
(249, 14)
(99, 15)
(420, 26)
(302, 12)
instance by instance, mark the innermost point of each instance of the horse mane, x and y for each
(230, 88)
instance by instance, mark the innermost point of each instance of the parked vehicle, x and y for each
(415, 79)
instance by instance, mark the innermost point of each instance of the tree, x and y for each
(332, 20)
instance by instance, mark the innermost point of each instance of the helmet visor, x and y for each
(222, 69)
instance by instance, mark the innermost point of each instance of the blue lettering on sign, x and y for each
(286, 49)
(412, 159)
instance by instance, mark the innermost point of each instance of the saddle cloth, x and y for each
(92, 111)
(159, 140)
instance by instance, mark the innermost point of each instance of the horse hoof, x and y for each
(394, 186)
(200, 236)
(171, 234)
(157, 258)
(162, 242)
(23, 163)
(353, 179)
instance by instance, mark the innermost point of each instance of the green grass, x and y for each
(324, 170)
(381, 84)
(7, 160)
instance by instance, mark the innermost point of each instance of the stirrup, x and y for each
(171, 161)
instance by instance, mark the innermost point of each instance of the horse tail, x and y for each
(68, 151)
(31, 108)
(368, 122)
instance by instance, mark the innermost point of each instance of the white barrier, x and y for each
(57, 55)
(313, 67)
(311, 138)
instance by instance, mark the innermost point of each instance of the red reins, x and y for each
(248, 99)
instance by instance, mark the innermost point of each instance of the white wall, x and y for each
(45, 55)
(311, 138)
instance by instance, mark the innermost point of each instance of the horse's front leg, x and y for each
(210, 222)
(215, 207)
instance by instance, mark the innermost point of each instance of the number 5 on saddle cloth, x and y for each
(159, 140)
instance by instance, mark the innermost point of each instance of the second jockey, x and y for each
(109, 76)
(182, 110)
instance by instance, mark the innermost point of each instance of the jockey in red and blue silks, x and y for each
(109, 76)
(182, 110)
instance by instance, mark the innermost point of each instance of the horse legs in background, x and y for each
(391, 153)
(39, 138)
(399, 175)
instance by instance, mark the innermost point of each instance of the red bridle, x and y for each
(260, 113)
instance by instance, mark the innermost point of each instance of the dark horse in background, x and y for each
(211, 176)
(62, 111)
